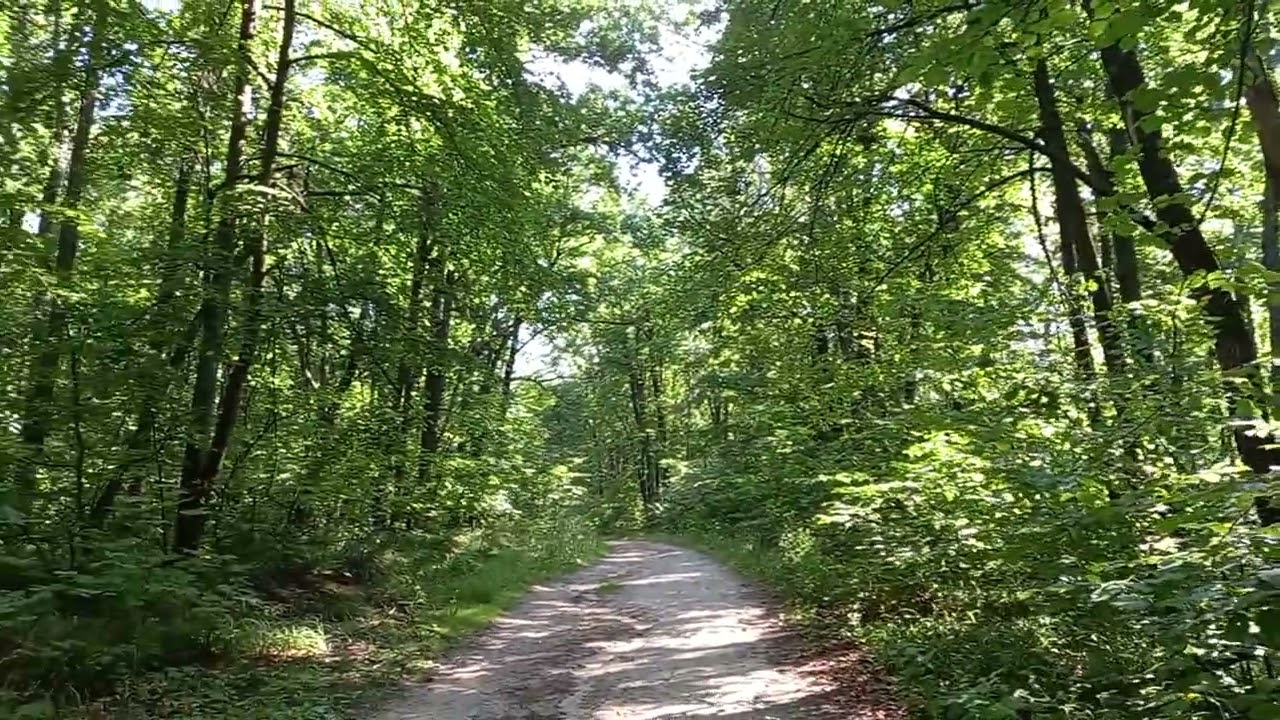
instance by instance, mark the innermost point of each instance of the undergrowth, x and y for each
(1067, 614)
(305, 643)
(942, 667)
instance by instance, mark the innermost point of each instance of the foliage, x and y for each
(949, 296)
(958, 320)
(332, 651)
(270, 269)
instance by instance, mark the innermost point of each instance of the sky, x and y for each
(683, 52)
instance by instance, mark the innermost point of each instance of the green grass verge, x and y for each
(292, 666)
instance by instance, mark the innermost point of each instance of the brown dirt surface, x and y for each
(650, 632)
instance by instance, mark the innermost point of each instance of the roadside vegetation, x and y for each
(330, 325)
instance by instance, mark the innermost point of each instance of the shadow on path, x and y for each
(650, 632)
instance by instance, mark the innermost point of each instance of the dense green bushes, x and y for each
(142, 637)
(989, 594)
(266, 432)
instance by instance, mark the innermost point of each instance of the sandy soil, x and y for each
(651, 631)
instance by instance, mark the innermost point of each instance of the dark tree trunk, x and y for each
(17, 86)
(509, 365)
(170, 264)
(1122, 248)
(434, 406)
(647, 465)
(16, 92)
(154, 388)
(429, 210)
(201, 469)
(715, 406)
(1081, 348)
(911, 383)
(216, 297)
(25, 99)
(48, 335)
(1271, 260)
(1127, 271)
(1073, 222)
(1264, 108)
(656, 387)
(327, 421)
(1126, 256)
(486, 351)
(824, 363)
(847, 312)
(1081, 351)
(410, 354)
(140, 437)
(1234, 345)
(719, 405)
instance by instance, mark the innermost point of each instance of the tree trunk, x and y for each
(16, 98)
(216, 297)
(1264, 108)
(659, 425)
(1081, 348)
(1073, 223)
(154, 389)
(429, 209)
(509, 365)
(647, 466)
(410, 351)
(1271, 260)
(143, 427)
(300, 512)
(1234, 346)
(170, 265)
(434, 406)
(847, 314)
(48, 335)
(1125, 255)
(200, 472)
(15, 83)
(915, 327)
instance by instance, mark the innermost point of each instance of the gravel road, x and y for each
(651, 631)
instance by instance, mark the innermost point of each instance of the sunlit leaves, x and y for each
(913, 450)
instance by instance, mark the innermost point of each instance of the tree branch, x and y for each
(943, 223)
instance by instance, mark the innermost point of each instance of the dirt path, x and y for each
(652, 631)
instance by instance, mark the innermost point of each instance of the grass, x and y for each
(333, 666)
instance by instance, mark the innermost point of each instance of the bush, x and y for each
(989, 593)
(163, 636)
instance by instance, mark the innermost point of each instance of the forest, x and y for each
(331, 325)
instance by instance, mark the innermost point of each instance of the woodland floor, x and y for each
(650, 631)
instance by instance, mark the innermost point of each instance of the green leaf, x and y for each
(1246, 408)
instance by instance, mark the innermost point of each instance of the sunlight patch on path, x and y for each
(676, 636)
